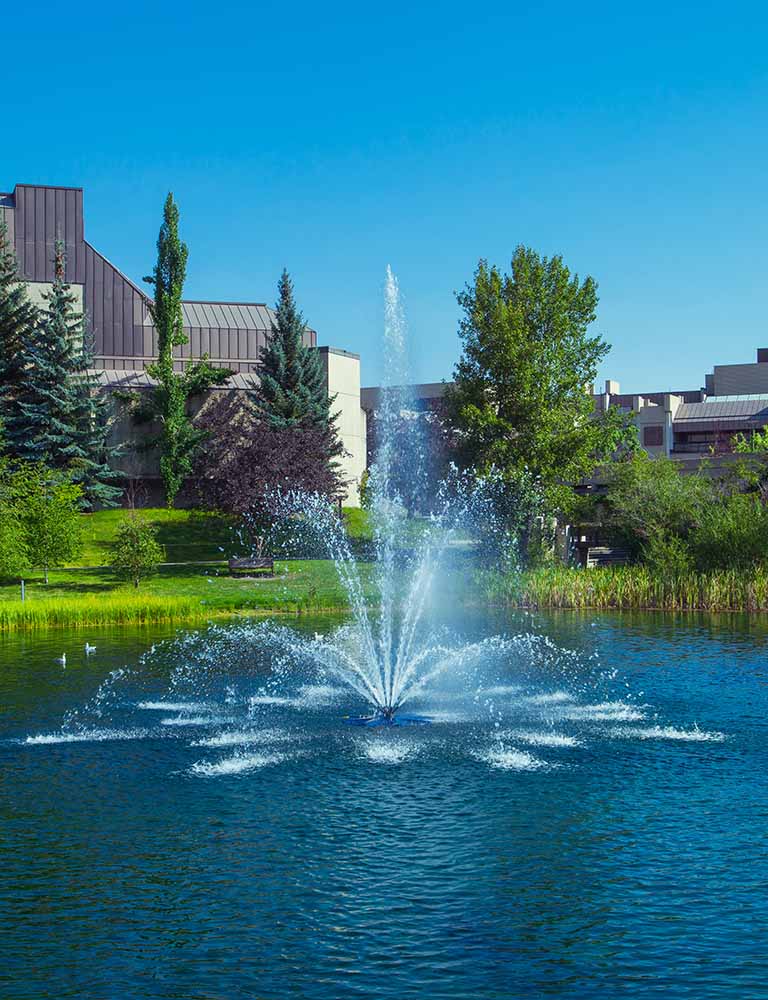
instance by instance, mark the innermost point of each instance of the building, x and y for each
(232, 334)
(693, 424)
(687, 425)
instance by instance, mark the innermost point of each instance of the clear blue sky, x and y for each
(334, 139)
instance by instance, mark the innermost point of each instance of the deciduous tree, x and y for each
(50, 505)
(178, 438)
(136, 551)
(521, 400)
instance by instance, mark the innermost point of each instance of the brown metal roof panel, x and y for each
(213, 316)
(248, 317)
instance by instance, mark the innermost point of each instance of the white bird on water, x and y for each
(62, 659)
(89, 649)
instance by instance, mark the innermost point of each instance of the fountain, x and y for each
(391, 664)
(388, 655)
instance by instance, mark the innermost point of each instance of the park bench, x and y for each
(606, 555)
(252, 566)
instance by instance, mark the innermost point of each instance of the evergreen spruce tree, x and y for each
(92, 418)
(18, 319)
(57, 418)
(178, 439)
(40, 426)
(291, 390)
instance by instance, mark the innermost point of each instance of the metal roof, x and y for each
(749, 410)
(129, 380)
(225, 316)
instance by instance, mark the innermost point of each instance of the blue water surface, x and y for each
(591, 826)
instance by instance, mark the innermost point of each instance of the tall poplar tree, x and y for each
(178, 439)
(291, 389)
(18, 319)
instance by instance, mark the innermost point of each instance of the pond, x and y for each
(585, 815)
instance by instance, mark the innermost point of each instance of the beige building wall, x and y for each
(37, 290)
(342, 373)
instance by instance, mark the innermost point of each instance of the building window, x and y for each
(653, 436)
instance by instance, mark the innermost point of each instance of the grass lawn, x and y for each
(187, 535)
(94, 596)
(88, 593)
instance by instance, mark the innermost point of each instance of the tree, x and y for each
(50, 506)
(750, 470)
(291, 390)
(178, 438)
(247, 464)
(18, 319)
(14, 555)
(57, 418)
(649, 501)
(93, 415)
(135, 550)
(521, 399)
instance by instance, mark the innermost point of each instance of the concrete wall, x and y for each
(342, 372)
(738, 380)
(37, 290)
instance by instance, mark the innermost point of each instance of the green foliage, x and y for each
(649, 500)
(40, 428)
(185, 535)
(93, 414)
(57, 416)
(88, 611)
(95, 596)
(521, 397)
(14, 555)
(357, 521)
(732, 534)
(291, 389)
(668, 556)
(18, 320)
(750, 470)
(632, 587)
(364, 490)
(679, 524)
(179, 439)
(50, 504)
(136, 552)
(751, 444)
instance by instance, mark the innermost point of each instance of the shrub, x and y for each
(668, 556)
(136, 551)
(733, 534)
(649, 499)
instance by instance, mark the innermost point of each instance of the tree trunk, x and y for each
(45, 571)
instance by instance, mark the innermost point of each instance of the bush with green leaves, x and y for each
(47, 505)
(732, 534)
(14, 556)
(136, 551)
(649, 501)
(668, 556)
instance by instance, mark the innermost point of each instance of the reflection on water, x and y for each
(585, 816)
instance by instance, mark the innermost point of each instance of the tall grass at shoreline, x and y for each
(87, 611)
(632, 588)
(619, 588)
